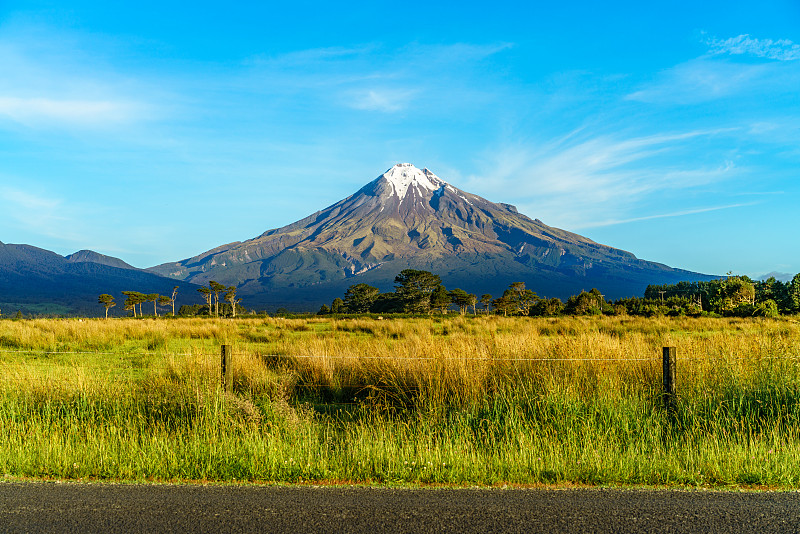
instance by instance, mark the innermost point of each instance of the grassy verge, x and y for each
(459, 400)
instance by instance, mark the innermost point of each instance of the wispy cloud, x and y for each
(580, 180)
(386, 100)
(373, 77)
(715, 75)
(312, 55)
(781, 49)
(39, 214)
(612, 222)
(35, 111)
(23, 200)
(704, 79)
(46, 82)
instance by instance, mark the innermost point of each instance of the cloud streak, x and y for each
(50, 82)
(35, 111)
(612, 222)
(577, 181)
(385, 100)
(715, 76)
(781, 50)
(38, 214)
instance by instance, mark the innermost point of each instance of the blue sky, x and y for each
(153, 133)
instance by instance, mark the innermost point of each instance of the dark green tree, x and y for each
(107, 301)
(504, 304)
(192, 310)
(440, 299)
(153, 297)
(547, 307)
(794, 293)
(165, 301)
(337, 306)
(414, 289)
(387, 303)
(134, 298)
(359, 298)
(585, 303)
(463, 300)
(522, 298)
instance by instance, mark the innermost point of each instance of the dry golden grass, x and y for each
(485, 399)
(452, 359)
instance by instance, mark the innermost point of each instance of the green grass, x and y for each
(145, 404)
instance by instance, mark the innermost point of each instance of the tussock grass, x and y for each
(452, 400)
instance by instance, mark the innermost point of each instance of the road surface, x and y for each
(118, 508)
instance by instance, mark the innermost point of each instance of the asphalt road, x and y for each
(112, 508)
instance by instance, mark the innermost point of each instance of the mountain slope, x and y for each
(409, 217)
(90, 256)
(37, 280)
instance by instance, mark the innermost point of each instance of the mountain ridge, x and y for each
(35, 280)
(411, 218)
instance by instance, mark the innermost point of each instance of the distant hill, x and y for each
(90, 256)
(781, 277)
(411, 218)
(34, 280)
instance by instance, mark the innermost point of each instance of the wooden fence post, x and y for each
(227, 368)
(669, 379)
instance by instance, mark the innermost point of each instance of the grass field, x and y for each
(486, 400)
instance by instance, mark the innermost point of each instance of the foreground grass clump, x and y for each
(446, 400)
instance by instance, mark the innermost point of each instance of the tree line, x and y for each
(211, 294)
(421, 292)
(135, 298)
(418, 292)
(735, 296)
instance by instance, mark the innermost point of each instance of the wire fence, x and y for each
(221, 373)
(264, 356)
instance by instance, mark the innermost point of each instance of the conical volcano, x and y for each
(411, 218)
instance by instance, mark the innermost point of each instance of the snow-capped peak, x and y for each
(404, 175)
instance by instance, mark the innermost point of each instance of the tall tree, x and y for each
(172, 299)
(359, 297)
(134, 298)
(486, 301)
(585, 303)
(165, 301)
(522, 298)
(794, 292)
(230, 296)
(153, 297)
(129, 303)
(440, 299)
(462, 299)
(504, 303)
(107, 301)
(414, 289)
(547, 307)
(207, 296)
(216, 288)
(337, 306)
(473, 301)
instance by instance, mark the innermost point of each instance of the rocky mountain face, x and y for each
(411, 218)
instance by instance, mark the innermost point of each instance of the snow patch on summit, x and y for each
(404, 175)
